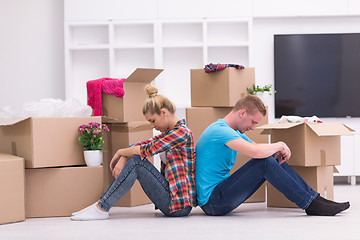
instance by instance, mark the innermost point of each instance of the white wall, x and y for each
(263, 44)
(31, 50)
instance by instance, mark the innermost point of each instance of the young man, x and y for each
(218, 192)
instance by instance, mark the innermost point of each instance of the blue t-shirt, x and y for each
(214, 159)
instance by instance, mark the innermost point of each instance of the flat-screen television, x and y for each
(317, 74)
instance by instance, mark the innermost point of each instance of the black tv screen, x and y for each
(317, 74)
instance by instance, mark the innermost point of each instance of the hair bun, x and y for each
(151, 90)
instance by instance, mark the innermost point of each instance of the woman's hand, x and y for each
(119, 166)
(115, 160)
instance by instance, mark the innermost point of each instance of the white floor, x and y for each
(249, 221)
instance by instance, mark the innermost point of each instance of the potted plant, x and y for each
(91, 139)
(257, 89)
(262, 92)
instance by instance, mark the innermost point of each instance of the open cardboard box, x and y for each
(311, 144)
(52, 192)
(319, 178)
(129, 107)
(122, 135)
(220, 89)
(12, 189)
(44, 142)
(199, 118)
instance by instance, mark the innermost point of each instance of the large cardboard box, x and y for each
(319, 178)
(52, 192)
(199, 118)
(12, 201)
(129, 107)
(122, 135)
(220, 89)
(311, 144)
(44, 142)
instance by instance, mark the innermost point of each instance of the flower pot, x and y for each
(93, 158)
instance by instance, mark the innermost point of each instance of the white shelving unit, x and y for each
(96, 49)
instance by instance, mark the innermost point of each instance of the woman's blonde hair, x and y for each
(156, 101)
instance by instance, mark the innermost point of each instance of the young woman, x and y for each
(174, 193)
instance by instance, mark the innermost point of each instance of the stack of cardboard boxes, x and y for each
(212, 97)
(54, 182)
(315, 149)
(127, 126)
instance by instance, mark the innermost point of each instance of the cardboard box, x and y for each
(311, 144)
(199, 118)
(129, 107)
(44, 142)
(52, 192)
(220, 89)
(12, 201)
(319, 178)
(122, 135)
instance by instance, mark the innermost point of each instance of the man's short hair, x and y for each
(251, 104)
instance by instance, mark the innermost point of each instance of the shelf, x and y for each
(228, 31)
(180, 33)
(133, 33)
(228, 44)
(235, 55)
(175, 80)
(134, 46)
(89, 47)
(89, 34)
(183, 45)
(127, 60)
(86, 66)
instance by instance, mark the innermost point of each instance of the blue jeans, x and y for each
(234, 190)
(153, 183)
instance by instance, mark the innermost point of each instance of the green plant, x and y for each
(91, 135)
(256, 89)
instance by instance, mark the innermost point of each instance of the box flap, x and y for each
(143, 75)
(133, 126)
(329, 129)
(271, 126)
(11, 121)
(6, 156)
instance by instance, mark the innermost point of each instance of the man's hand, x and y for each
(284, 154)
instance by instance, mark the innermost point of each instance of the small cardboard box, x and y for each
(220, 89)
(44, 142)
(319, 178)
(129, 107)
(199, 118)
(12, 201)
(52, 192)
(122, 135)
(311, 144)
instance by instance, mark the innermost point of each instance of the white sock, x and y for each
(74, 213)
(90, 213)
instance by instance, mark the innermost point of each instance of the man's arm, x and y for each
(260, 150)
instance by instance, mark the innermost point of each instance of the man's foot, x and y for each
(90, 213)
(320, 207)
(345, 205)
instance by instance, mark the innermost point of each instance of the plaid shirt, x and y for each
(178, 144)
